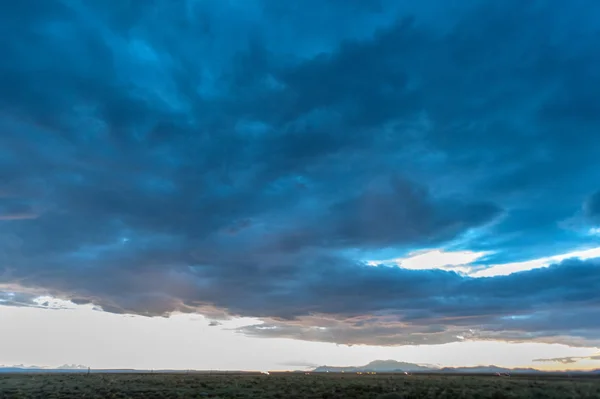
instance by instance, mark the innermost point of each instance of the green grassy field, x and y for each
(286, 386)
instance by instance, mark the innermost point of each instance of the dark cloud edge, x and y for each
(405, 307)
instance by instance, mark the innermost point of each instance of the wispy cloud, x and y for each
(568, 359)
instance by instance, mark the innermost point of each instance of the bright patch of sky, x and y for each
(509, 268)
(464, 262)
(435, 259)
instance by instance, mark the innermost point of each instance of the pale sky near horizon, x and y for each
(65, 333)
(352, 180)
(82, 336)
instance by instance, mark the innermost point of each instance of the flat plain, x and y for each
(293, 385)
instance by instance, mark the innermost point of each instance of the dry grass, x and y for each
(288, 386)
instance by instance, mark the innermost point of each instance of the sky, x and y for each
(258, 184)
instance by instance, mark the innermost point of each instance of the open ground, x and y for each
(293, 385)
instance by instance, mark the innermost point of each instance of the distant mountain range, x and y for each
(392, 366)
(36, 369)
(378, 366)
(84, 369)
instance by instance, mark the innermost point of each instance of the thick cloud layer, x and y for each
(393, 306)
(220, 157)
(592, 208)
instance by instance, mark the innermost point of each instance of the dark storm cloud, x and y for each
(220, 157)
(391, 212)
(14, 209)
(420, 307)
(591, 207)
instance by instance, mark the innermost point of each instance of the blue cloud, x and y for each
(591, 208)
(214, 155)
